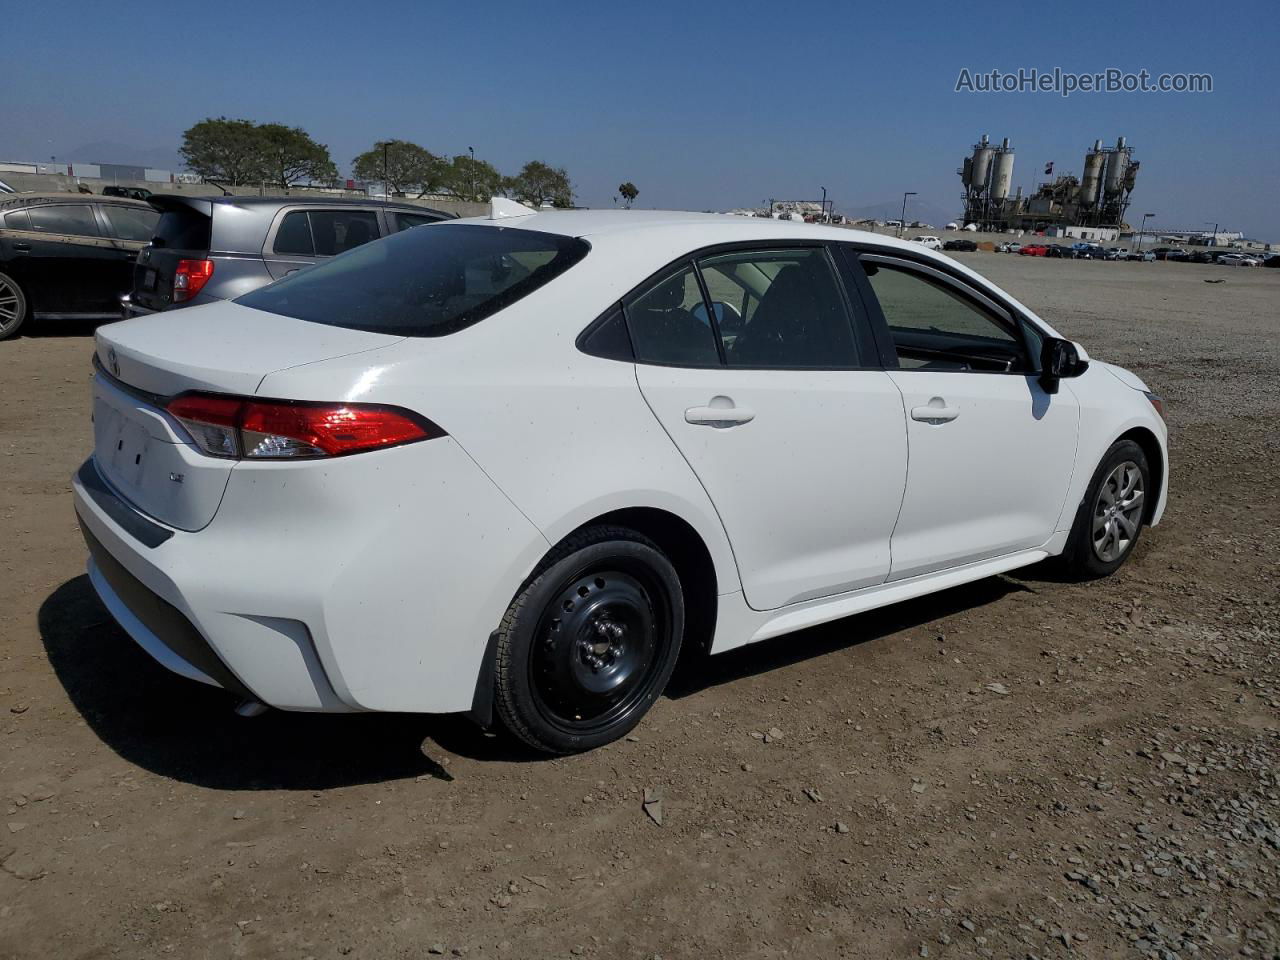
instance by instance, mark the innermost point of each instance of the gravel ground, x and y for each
(1015, 768)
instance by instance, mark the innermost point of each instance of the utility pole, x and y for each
(1143, 229)
(386, 183)
(902, 223)
(824, 204)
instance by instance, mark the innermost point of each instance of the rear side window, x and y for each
(182, 228)
(337, 231)
(132, 223)
(669, 324)
(76, 219)
(779, 308)
(294, 235)
(324, 233)
(423, 283)
(17, 220)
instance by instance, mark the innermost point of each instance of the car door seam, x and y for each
(635, 373)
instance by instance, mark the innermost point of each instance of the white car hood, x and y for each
(1127, 377)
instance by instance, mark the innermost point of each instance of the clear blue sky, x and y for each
(703, 105)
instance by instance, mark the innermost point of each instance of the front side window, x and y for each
(132, 223)
(934, 326)
(669, 323)
(779, 308)
(406, 220)
(423, 283)
(75, 219)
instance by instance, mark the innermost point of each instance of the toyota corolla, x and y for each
(512, 466)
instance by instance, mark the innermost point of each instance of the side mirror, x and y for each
(1059, 359)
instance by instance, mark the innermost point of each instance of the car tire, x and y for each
(14, 307)
(1109, 519)
(589, 642)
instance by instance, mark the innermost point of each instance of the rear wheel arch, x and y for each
(683, 546)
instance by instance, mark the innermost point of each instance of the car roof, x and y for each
(694, 230)
(252, 201)
(11, 200)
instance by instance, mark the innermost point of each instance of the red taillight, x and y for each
(236, 427)
(190, 277)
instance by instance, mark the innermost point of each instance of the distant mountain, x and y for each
(892, 210)
(108, 151)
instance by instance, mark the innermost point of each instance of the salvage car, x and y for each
(208, 249)
(512, 467)
(963, 246)
(67, 256)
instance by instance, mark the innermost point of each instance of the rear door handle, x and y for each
(22, 248)
(718, 416)
(935, 411)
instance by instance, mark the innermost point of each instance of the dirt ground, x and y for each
(1015, 768)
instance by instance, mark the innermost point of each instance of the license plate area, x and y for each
(147, 464)
(149, 279)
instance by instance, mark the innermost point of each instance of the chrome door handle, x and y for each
(935, 411)
(718, 416)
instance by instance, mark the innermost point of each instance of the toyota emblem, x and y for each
(112, 363)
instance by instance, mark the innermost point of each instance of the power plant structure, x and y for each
(1098, 198)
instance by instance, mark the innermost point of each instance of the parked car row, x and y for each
(80, 256)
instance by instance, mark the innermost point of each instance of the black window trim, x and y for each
(851, 298)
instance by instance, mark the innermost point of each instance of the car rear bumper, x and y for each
(321, 587)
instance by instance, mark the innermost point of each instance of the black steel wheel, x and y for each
(590, 642)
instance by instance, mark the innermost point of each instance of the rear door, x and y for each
(991, 454)
(70, 262)
(302, 236)
(752, 361)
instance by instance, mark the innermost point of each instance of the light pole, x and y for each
(1143, 229)
(902, 224)
(1213, 240)
(824, 204)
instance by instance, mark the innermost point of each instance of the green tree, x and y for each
(290, 156)
(470, 179)
(628, 192)
(406, 167)
(537, 183)
(229, 151)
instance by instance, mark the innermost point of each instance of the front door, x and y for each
(991, 454)
(776, 401)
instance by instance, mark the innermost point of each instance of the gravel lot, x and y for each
(1014, 768)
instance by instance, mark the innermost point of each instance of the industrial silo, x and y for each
(1091, 180)
(1002, 174)
(1117, 165)
(981, 164)
(966, 172)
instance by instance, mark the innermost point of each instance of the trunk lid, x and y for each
(142, 451)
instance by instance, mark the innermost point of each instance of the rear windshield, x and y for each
(426, 282)
(182, 229)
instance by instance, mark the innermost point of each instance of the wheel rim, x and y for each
(1117, 512)
(597, 648)
(11, 307)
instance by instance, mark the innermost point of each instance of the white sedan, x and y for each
(929, 243)
(512, 466)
